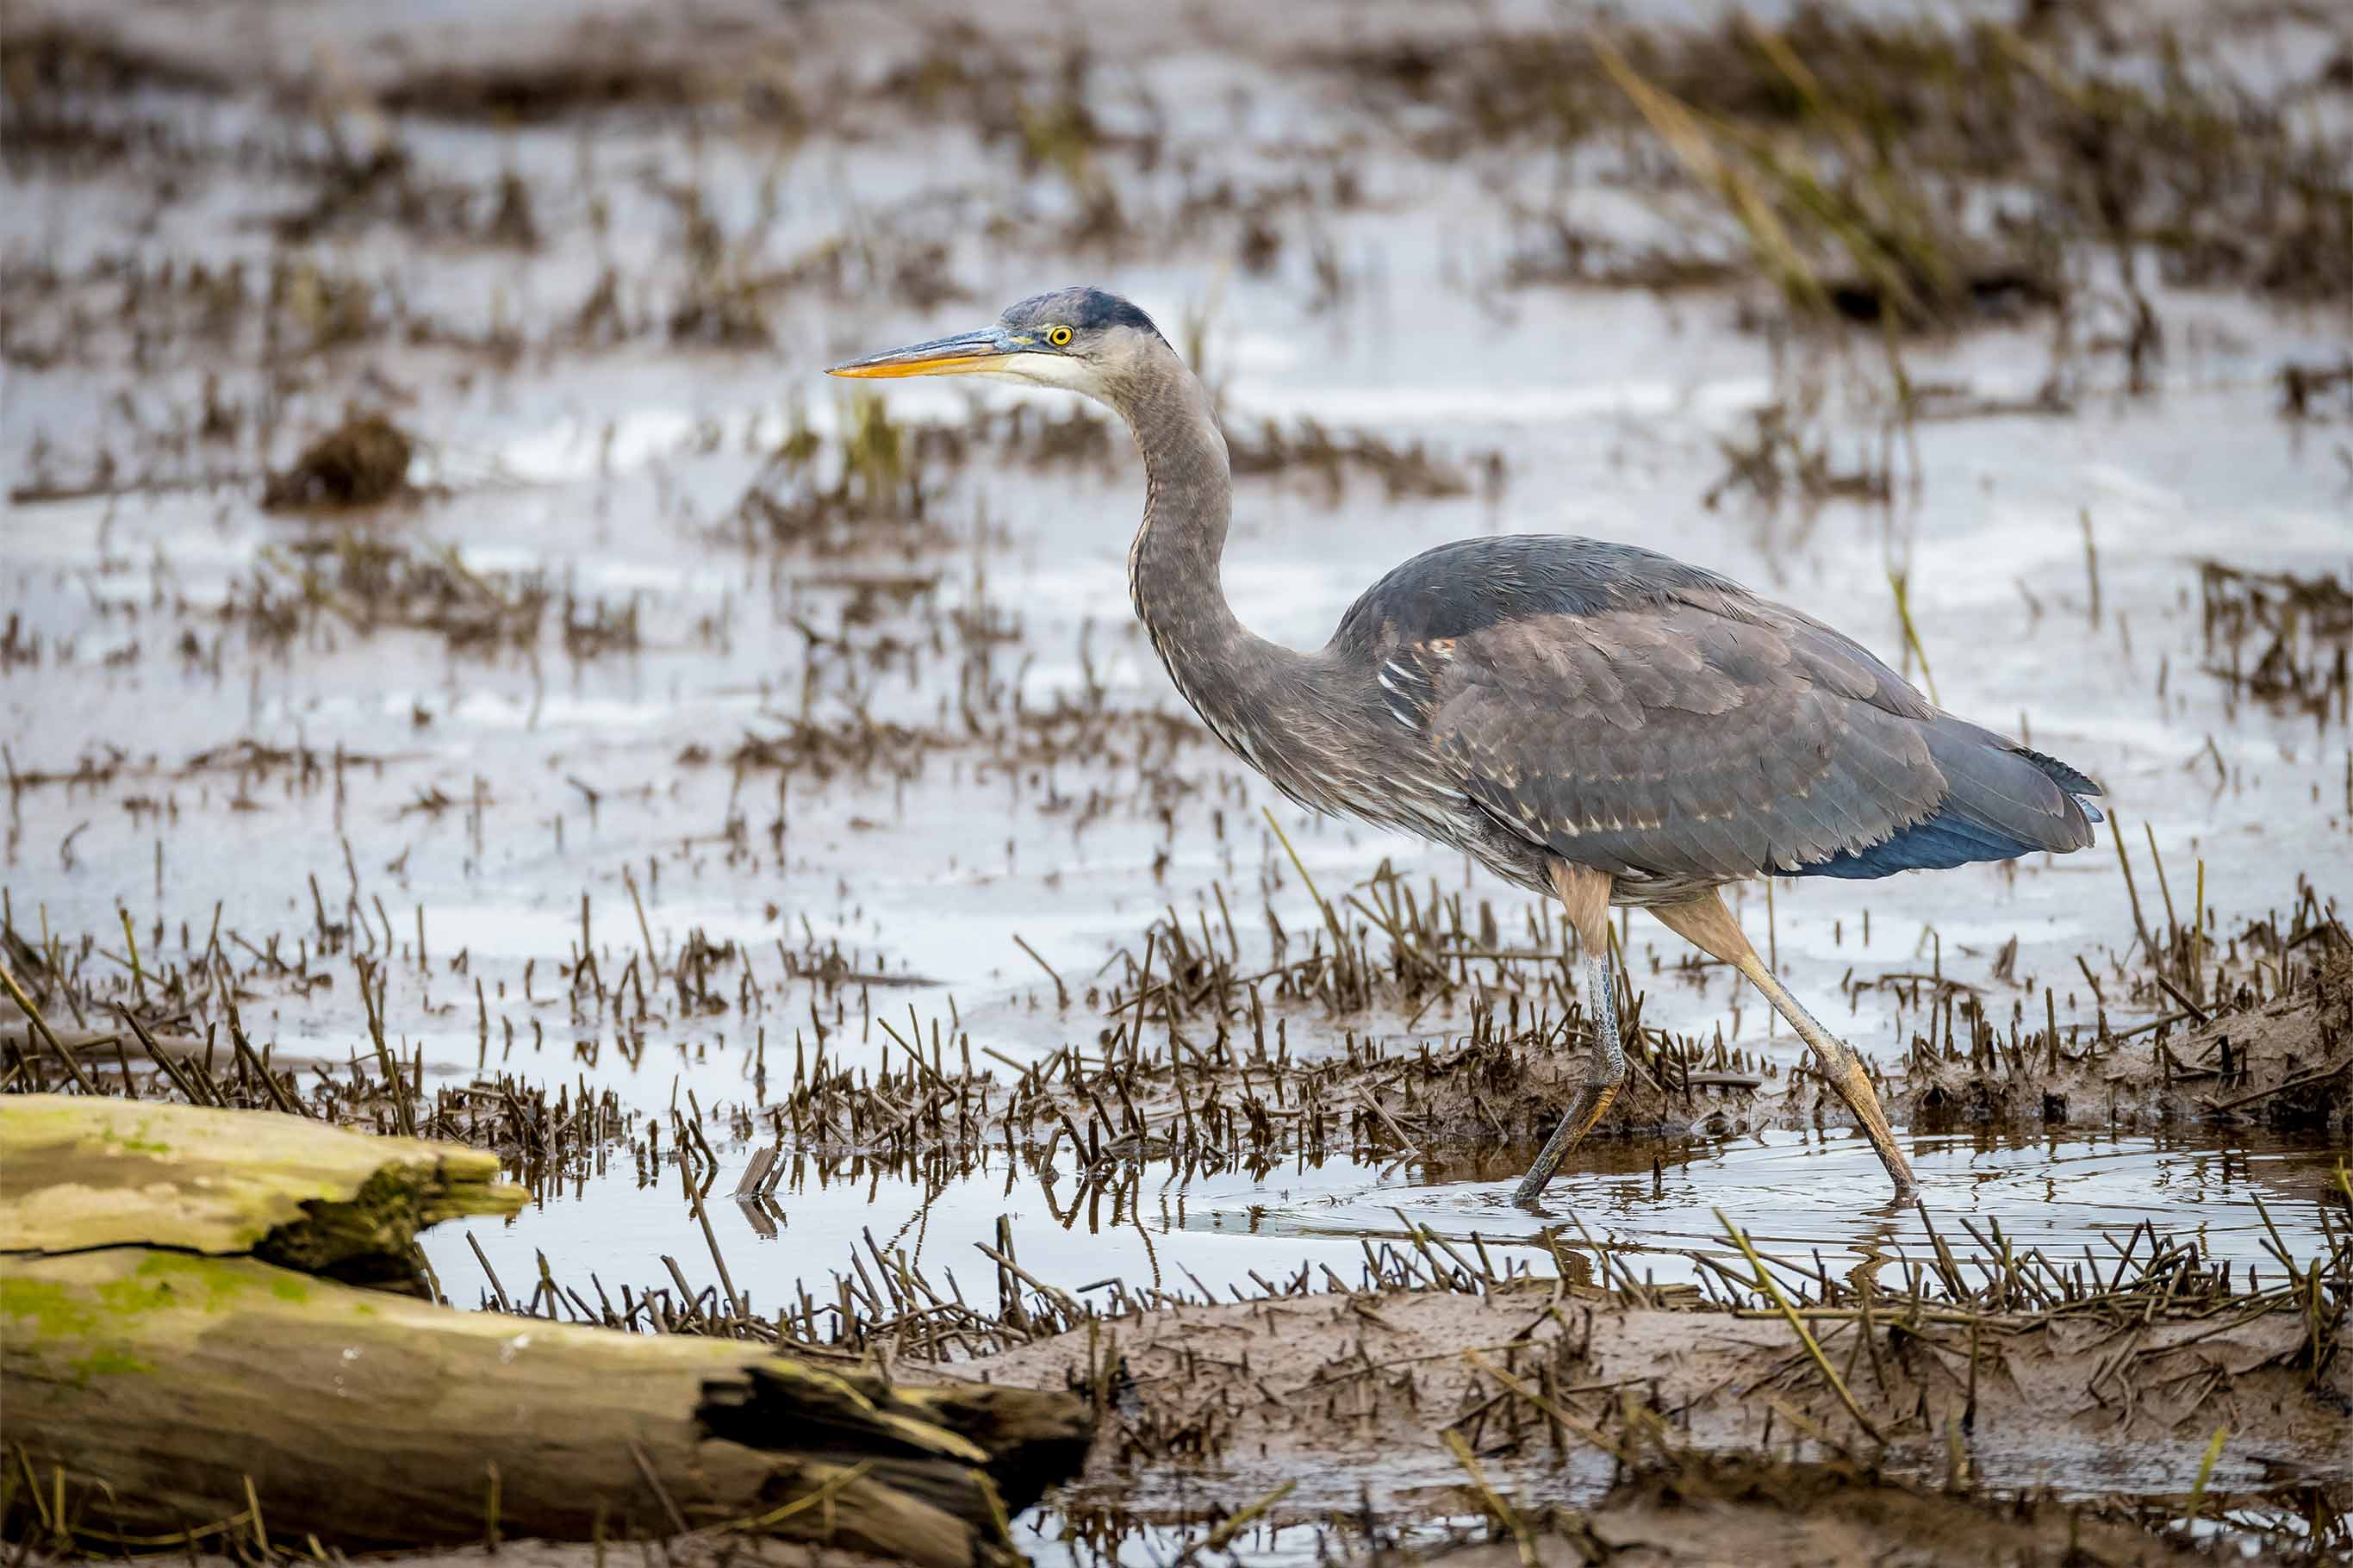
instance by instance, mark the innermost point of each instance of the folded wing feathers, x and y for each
(1680, 739)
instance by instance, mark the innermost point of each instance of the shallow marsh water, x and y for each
(1805, 1196)
(493, 815)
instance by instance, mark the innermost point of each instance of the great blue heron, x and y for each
(1593, 720)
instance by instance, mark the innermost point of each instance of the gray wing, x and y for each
(1677, 739)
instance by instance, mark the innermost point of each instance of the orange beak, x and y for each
(963, 354)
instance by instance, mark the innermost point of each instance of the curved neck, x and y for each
(1173, 566)
(1242, 685)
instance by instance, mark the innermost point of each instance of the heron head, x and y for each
(1081, 339)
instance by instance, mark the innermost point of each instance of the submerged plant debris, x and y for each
(362, 462)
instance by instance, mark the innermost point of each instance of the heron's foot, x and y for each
(1852, 1080)
(1592, 1100)
(1708, 925)
(1585, 893)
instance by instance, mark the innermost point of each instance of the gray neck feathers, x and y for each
(1172, 568)
(1264, 701)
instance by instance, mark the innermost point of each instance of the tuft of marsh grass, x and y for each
(1879, 169)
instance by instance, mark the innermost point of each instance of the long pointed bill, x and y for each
(964, 354)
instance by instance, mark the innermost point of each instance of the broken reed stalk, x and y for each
(41, 1026)
(2140, 924)
(1226, 1528)
(498, 1290)
(653, 960)
(131, 943)
(1055, 1293)
(654, 1484)
(1806, 1426)
(171, 1069)
(1805, 1336)
(1331, 916)
(2172, 922)
(1552, 1409)
(1062, 992)
(1900, 581)
(2091, 564)
(734, 1301)
(2198, 932)
(827, 1495)
(1521, 1536)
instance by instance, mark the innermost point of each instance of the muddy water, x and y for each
(498, 813)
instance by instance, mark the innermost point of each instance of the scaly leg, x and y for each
(1586, 894)
(1706, 924)
(1605, 1070)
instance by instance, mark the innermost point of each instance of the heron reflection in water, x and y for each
(1594, 721)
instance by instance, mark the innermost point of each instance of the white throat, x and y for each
(1044, 370)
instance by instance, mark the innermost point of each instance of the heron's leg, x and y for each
(1708, 925)
(1605, 1070)
(1586, 894)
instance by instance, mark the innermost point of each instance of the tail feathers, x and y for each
(2001, 800)
(2074, 782)
(1938, 842)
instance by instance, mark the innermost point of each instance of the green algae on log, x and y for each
(372, 1420)
(85, 1173)
(169, 1369)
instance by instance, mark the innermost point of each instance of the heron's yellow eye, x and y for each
(1058, 336)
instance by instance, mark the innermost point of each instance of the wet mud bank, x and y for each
(1529, 1372)
(1621, 1418)
(1687, 1508)
(2284, 1063)
(1698, 1508)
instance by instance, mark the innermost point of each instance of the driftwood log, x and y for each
(183, 1358)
